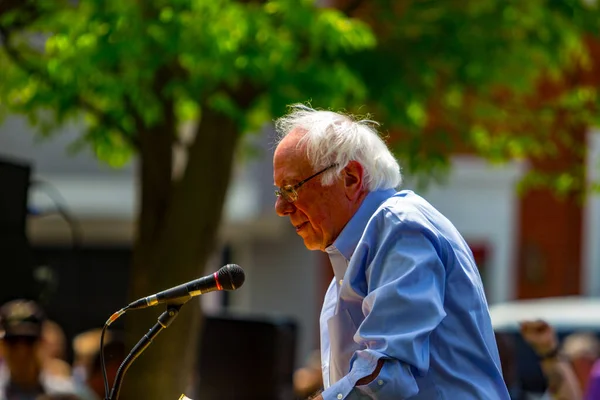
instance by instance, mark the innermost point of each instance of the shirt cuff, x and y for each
(344, 388)
(339, 390)
(395, 380)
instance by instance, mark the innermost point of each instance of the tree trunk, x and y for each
(177, 227)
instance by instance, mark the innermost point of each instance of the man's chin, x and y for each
(311, 244)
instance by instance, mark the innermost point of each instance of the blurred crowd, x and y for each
(34, 363)
(570, 366)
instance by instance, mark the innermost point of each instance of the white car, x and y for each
(565, 314)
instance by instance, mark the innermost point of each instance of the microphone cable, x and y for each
(109, 321)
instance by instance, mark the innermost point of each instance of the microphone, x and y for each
(229, 277)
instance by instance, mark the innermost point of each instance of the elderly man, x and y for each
(405, 316)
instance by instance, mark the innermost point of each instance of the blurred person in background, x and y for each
(309, 378)
(562, 380)
(55, 340)
(23, 376)
(114, 354)
(406, 314)
(593, 387)
(507, 353)
(55, 349)
(85, 348)
(582, 349)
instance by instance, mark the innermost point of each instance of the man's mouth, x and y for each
(301, 226)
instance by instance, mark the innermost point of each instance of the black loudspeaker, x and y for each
(16, 256)
(17, 268)
(14, 188)
(245, 358)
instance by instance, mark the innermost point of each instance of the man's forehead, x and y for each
(290, 162)
(289, 148)
(290, 143)
(289, 168)
(285, 151)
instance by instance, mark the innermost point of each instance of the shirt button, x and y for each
(339, 396)
(341, 281)
(380, 382)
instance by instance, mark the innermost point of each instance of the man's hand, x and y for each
(540, 336)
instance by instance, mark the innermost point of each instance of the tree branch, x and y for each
(244, 94)
(85, 105)
(351, 6)
(29, 12)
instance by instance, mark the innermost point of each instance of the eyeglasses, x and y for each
(289, 192)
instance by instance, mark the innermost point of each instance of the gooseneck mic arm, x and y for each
(165, 319)
(229, 277)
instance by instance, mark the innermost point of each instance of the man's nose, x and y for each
(283, 207)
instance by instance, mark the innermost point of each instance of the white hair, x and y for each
(335, 138)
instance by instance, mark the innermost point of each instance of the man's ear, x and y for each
(353, 180)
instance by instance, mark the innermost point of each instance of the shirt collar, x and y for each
(348, 239)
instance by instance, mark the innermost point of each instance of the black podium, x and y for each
(244, 358)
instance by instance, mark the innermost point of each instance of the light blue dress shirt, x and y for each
(406, 290)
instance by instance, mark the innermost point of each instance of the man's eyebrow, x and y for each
(288, 181)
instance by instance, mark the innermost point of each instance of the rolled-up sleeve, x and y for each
(404, 304)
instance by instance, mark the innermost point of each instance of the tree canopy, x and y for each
(505, 80)
(468, 72)
(121, 63)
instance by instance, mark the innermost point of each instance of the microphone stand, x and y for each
(164, 320)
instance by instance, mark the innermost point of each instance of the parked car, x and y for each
(566, 314)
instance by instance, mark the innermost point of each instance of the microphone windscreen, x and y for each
(231, 277)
